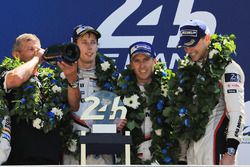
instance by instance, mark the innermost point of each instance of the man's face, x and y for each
(199, 51)
(88, 47)
(143, 66)
(28, 50)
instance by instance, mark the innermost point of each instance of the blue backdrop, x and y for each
(123, 22)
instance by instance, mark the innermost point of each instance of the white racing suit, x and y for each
(87, 85)
(5, 139)
(226, 123)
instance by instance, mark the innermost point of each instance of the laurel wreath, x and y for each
(42, 100)
(3, 106)
(163, 147)
(194, 91)
(106, 72)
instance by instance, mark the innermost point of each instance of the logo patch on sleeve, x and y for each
(232, 77)
(231, 91)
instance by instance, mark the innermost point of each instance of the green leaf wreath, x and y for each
(163, 148)
(106, 72)
(195, 90)
(3, 106)
(42, 100)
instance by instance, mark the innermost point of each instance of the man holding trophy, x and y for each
(96, 72)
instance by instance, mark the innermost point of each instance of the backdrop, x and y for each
(123, 22)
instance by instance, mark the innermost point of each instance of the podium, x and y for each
(105, 143)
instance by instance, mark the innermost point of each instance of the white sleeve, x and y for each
(5, 139)
(233, 85)
(4, 83)
(183, 150)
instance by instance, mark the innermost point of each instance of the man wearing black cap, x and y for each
(142, 61)
(95, 72)
(223, 131)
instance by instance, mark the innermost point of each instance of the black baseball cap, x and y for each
(83, 29)
(191, 32)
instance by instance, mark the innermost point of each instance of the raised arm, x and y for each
(70, 72)
(16, 77)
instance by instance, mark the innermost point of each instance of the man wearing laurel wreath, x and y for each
(29, 144)
(143, 89)
(223, 131)
(142, 61)
(95, 72)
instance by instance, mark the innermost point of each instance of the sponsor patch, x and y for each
(189, 33)
(81, 84)
(231, 91)
(238, 126)
(233, 85)
(140, 47)
(232, 77)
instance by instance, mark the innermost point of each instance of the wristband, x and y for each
(74, 84)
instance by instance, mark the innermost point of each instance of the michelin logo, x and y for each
(189, 33)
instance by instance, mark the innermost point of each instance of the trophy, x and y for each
(62, 52)
(100, 112)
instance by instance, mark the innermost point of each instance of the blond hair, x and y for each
(24, 38)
